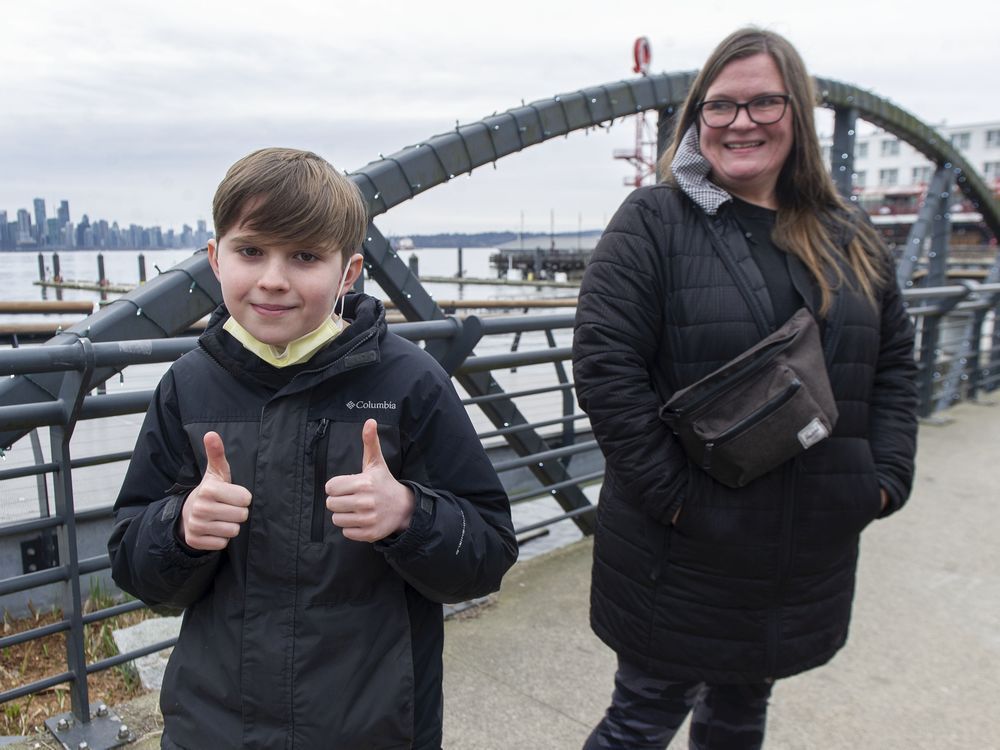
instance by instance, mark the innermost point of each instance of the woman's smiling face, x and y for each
(747, 158)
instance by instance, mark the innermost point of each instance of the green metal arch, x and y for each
(415, 169)
(921, 136)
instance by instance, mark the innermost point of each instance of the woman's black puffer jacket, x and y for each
(749, 583)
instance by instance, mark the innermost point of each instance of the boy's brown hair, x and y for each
(294, 197)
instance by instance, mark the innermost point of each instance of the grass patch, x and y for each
(44, 657)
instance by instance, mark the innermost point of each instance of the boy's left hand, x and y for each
(371, 505)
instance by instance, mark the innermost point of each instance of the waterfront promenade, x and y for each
(921, 669)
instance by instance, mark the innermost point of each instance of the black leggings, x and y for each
(646, 712)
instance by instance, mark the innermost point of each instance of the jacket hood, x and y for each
(690, 169)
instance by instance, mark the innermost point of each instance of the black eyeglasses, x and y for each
(763, 110)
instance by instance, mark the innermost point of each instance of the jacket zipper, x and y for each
(317, 447)
(750, 419)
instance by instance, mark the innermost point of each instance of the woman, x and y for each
(708, 593)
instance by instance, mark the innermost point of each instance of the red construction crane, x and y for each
(643, 155)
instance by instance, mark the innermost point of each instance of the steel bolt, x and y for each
(62, 725)
(102, 710)
(123, 732)
(83, 746)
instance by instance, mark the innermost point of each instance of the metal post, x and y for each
(569, 403)
(937, 271)
(994, 367)
(842, 150)
(142, 268)
(934, 204)
(41, 267)
(976, 355)
(40, 483)
(930, 335)
(414, 263)
(71, 393)
(101, 279)
(971, 352)
(56, 273)
(928, 357)
(460, 273)
(951, 390)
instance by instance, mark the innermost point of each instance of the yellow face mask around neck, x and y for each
(294, 352)
(301, 349)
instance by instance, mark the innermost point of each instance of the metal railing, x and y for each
(958, 349)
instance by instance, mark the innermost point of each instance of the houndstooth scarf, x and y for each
(690, 169)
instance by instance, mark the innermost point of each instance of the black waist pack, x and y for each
(760, 409)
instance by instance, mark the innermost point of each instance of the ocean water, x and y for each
(20, 274)
(95, 487)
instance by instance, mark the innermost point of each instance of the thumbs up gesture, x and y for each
(214, 510)
(371, 505)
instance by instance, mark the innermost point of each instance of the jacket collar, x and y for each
(357, 345)
(690, 169)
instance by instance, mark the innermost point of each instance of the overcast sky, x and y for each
(133, 110)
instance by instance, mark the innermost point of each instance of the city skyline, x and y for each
(60, 232)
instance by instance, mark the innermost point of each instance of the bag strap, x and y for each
(728, 255)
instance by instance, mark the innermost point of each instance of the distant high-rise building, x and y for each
(24, 235)
(53, 232)
(82, 230)
(63, 213)
(201, 235)
(5, 243)
(41, 225)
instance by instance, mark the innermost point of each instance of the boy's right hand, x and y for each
(214, 510)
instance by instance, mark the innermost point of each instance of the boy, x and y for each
(308, 487)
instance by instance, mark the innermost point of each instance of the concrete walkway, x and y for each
(921, 669)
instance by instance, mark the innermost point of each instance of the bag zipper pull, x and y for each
(706, 459)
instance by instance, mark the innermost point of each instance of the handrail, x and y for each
(962, 305)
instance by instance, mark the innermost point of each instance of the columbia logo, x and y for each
(370, 405)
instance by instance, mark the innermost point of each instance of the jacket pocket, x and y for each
(318, 446)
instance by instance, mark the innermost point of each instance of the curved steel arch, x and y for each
(405, 174)
(904, 125)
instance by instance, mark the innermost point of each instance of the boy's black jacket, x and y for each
(293, 636)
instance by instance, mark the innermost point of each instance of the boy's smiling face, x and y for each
(276, 291)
